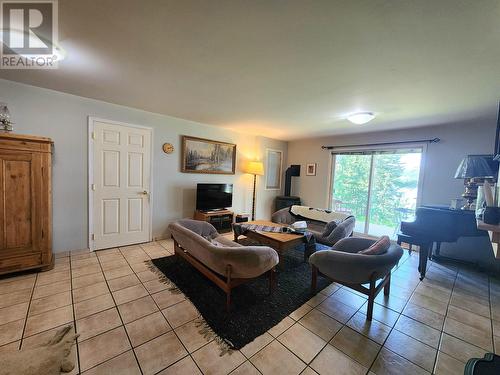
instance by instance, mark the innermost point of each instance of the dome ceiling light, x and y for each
(360, 118)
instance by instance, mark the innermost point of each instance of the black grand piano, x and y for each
(434, 225)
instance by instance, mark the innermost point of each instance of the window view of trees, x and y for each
(393, 192)
(350, 188)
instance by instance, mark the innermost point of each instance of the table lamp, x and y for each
(255, 168)
(472, 169)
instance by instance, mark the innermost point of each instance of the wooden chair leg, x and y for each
(387, 286)
(371, 300)
(314, 279)
(177, 250)
(369, 312)
(308, 251)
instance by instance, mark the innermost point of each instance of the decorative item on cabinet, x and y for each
(5, 122)
(25, 203)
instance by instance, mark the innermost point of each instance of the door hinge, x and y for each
(92, 187)
(93, 135)
(92, 236)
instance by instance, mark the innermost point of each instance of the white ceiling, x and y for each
(283, 68)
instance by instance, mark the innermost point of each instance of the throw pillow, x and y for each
(378, 248)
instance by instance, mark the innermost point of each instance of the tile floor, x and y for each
(130, 324)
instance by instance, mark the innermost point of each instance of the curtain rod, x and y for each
(433, 140)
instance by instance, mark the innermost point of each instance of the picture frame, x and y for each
(201, 155)
(274, 168)
(311, 169)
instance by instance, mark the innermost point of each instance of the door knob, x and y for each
(145, 192)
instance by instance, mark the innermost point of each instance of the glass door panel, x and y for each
(394, 188)
(379, 188)
(351, 185)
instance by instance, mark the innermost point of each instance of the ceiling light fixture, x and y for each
(361, 117)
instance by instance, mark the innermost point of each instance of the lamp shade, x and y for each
(254, 167)
(475, 166)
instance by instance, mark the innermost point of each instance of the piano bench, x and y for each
(412, 241)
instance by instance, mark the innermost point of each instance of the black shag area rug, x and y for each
(253, 310)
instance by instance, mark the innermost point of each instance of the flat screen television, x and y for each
(214, 196)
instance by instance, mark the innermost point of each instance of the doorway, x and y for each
(379, 187)
(119, 184)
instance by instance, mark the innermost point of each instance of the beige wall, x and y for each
(64, 118)
(441, 159)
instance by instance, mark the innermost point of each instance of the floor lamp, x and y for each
(255, 168)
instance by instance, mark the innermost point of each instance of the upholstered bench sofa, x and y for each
(325, 233)
(223, 261)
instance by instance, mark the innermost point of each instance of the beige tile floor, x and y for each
(129, 323)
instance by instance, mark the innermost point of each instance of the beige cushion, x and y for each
(379, 247)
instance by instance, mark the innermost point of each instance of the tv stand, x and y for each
(215, 210)
(222, 220)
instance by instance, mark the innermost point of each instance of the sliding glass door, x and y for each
(379, 187)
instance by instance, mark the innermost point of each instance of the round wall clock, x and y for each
(168, 148)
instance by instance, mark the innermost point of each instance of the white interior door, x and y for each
(120, 180)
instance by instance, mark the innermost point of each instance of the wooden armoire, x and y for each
(25, 203)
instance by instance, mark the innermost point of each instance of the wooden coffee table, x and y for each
(280, 242)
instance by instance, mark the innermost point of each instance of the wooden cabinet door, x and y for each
(18, 229)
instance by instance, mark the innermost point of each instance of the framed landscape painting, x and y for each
(201, 155)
